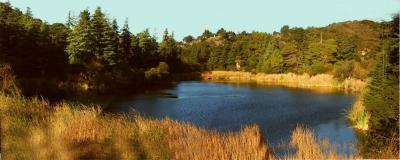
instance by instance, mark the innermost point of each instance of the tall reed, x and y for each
(287, 79)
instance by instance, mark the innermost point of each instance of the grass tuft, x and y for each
(359, 116)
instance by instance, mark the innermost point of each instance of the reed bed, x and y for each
(307, 146)
(196, 143)
(287, 79)
(33, 129)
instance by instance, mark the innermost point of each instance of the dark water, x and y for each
(229, 107)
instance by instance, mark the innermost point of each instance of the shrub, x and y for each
(347, 69)
(319, 67)
(343, 70)
(7, 79)
(360, 71)
(159, 72)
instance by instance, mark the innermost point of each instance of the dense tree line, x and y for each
(92, 51)
(344, 49)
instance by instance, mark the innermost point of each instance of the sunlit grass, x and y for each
(34, 129)
(288, 80)
(359, 116)
(307, 146)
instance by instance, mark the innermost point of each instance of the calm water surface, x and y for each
(229, 107)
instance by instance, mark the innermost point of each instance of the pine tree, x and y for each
(70, 23)
(80, 46)
(272, 61)
(169, 50)
(291, 56)
(147, 50)
(103, 34)
(125, 55)
(110, 41)
(382, 97)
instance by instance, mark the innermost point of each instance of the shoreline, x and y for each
(304, 81)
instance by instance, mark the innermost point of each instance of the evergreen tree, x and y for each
(321, 52)
(102, 34)
(148, 50)
(291, 57)
(125, 44)
(188, 39)
(80, 45)
(206, 34)
(169, 50)
(382, 98)
(346, 47)
(70, 23)
(212, 62)
(272, 61)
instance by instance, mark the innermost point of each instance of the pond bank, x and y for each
(285, 79)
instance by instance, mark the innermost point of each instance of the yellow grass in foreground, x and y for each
(308, 147)
(33, 129)
(287, 79)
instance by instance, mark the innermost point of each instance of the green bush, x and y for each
(319, 67)
(346, 69)
(343, 70)
(159, 72)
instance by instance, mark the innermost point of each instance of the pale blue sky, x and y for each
(186, 17)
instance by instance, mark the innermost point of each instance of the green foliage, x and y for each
(79, 47)
(125, 54)
(169, 50)
(321, 52)
(272, 61)
(159, 72)
(207, 34)
(103, 38)
(382, 97)
(99, 54)
(30, 46)
(319, 67)
(299, 48)
(343, 70)
(346, 47)
(188, 39)
(217, 59)
(148, 47)
(291, 57)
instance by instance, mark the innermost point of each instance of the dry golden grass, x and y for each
(32, 129)
(287, 79)
(307, 146)
(196, 143)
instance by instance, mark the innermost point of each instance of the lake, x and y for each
(229, 107)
